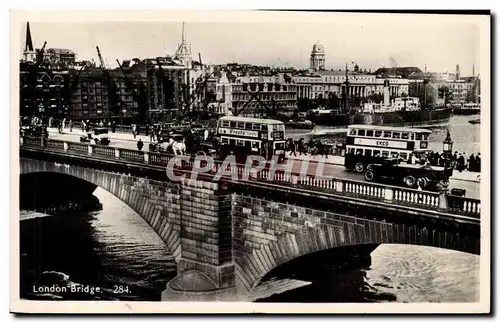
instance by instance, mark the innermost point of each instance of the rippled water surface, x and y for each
(116, 247)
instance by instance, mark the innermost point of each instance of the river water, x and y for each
(114, 249)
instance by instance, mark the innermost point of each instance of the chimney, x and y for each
(458, 72)
(473, 71)
(387, 97)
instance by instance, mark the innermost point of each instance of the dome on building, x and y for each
(318, 49)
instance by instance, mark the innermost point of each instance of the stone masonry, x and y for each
(235, 240)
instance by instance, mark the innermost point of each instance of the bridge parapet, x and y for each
(339, 186)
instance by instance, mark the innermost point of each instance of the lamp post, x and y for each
(448, 167)
(447, 145)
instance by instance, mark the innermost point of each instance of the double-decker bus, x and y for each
(251, 136)
(366, 144)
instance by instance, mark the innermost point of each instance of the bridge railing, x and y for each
(339, 186)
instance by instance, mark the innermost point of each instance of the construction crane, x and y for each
(100, 57)
(113, 97)
(73, 81)
(264, 108)
(138, 94)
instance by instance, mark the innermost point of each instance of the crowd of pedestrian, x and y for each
(461, 162)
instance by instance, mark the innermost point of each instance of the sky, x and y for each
(370, 41)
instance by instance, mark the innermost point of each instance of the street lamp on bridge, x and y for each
(447, 145)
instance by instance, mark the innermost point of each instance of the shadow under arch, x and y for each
(251, 268)
(140, 196)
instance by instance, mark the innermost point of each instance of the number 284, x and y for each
(119, 289)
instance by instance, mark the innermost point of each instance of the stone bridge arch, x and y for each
(154, 201)
(268, 234)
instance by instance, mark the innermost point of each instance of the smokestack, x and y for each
(387, 97)
(473, 71)
(458, 72)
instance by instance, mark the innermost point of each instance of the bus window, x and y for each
(387, 134)
(376, 153)
(404, 156)
(275, 127)
(225, 141)
(405, 135)
(353, 132)
(385, 153)
(368, 152)
(378, 133)
(256, 126)
(359, 151)
(351, 151)
(248, 126)
(418, 136)
(255, 144)
(279, 146)
(369, 133)
(264, 127)
(412, 136)
(396, 135)
(239, 142)
(361, 132)
(225, 123)
(425, 137)
(248, 143)
(240, 125)
(232, 124)
(394, 154)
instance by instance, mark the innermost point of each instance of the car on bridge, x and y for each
(409, 175)
(99, 135)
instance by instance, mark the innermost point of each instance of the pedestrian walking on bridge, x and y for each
(140, 144)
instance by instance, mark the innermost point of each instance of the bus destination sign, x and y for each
(381, 143)
(236, 132)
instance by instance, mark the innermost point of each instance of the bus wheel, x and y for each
(422, 182)
(369, 175)
(359, 167)
(410, 181)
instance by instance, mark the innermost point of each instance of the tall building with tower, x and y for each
(317, 62)
(183, 52)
